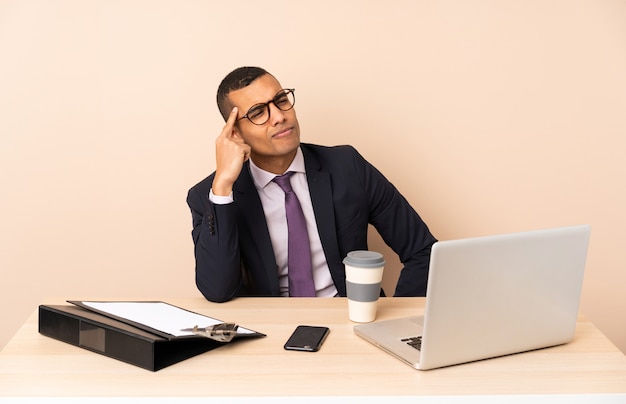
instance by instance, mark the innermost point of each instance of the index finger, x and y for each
(230, 123)
(232, 118)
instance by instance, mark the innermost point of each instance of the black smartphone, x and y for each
(307, 338)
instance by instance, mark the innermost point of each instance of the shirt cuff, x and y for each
(220, 200)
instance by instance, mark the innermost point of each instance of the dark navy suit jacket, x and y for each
(233, 250)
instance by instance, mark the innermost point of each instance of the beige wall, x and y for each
(490, 116)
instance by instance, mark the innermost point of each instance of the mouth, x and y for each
(283, 133)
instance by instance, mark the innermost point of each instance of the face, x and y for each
(278, 138)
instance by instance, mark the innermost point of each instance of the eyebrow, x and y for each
(276, 94)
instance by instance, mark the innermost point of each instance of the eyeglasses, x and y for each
(259, 114)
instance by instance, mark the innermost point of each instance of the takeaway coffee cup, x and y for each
(364, 273)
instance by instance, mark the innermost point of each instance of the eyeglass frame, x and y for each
(266, 105)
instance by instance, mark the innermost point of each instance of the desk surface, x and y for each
(38, 366)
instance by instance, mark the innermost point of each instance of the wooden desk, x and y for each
(38, 366)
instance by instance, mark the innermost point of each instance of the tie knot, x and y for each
(283, 181)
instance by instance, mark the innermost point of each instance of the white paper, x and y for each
(160, 316)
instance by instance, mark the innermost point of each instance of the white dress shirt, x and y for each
(273, 201)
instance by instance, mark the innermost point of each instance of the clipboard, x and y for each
(158, 317)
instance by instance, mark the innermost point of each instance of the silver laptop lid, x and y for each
(503, 294)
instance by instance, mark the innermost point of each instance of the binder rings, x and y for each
(130, 343)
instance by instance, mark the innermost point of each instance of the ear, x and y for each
(236, 132)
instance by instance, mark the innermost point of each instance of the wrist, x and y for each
(221, 189)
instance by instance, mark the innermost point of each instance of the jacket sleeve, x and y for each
(401, 227)
(216, 246)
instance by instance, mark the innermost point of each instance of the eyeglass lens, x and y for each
(260, 113)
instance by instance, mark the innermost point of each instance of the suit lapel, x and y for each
(322, 200)
(247, 198)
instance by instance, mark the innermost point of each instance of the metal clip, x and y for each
(222, 332)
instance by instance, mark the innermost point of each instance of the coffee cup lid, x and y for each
(364, 259)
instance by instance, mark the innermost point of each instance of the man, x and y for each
(240, 227)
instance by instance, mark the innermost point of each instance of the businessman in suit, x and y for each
(240, 228)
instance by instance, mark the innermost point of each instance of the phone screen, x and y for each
(307, 338)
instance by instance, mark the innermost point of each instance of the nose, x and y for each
(276, 114)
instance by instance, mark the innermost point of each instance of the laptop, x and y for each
(491, 296)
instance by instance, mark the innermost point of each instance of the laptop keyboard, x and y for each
(415, 342)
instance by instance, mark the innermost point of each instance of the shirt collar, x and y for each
(262, 178)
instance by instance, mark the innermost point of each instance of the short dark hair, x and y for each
(237, 79)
